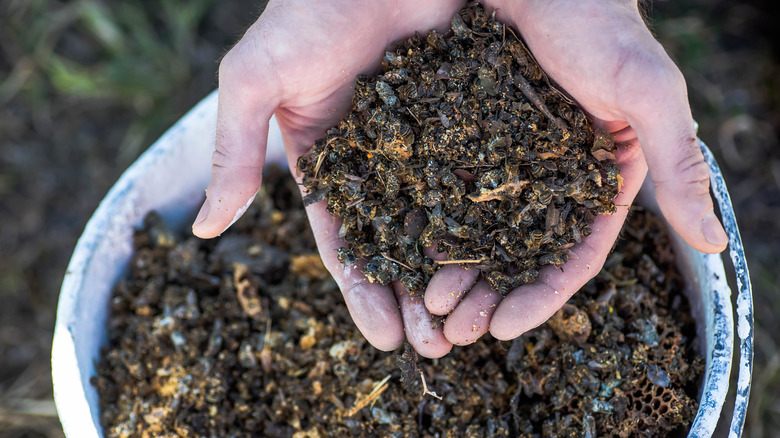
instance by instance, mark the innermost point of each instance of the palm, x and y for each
(318, 55)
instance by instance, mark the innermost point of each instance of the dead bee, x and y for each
(525, 277)
(428, 236)
(496, 150)
(375, 273)
(499, 282)
(534, 240)
(386, 93)
(337, 205)
(458, 186)
(432, 181)
(346, 257)
(460, 231)
(413, 257)
(556, 259)
(536, 170)
(408, 92)
(491, 179)
(412, 282)
(504, 66)
(436, 217)
(459, 28)
(472, 215)
(459, 70)
(397, 207)
(365, 250)
(392, 186)
(396, 76)
(366, 210)
(427, 74)
(405, 134)
(436, 40)
(352, 190)
(381, 270)
(432, 198)
(392, 59)
(565, 112)
(543, 194)
(613, 174)
(428, 266)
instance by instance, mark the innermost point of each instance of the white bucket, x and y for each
(170, 178)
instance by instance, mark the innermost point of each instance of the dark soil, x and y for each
(248, 335)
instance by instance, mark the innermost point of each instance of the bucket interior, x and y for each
(180, 162)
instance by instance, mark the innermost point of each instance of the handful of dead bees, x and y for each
(462, 145)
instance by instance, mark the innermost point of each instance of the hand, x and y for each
(299, 61)
(602, 54)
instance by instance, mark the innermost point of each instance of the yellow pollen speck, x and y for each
(474, 328)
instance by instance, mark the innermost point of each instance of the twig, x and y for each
(425, 387)
(356, 202)
(362, 402)
(414, 116)
(455, 262)
(531, 95)
(397, 261)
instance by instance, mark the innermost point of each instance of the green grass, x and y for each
(131, 54)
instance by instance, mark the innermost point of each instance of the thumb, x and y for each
(662, 120)
(243, 111)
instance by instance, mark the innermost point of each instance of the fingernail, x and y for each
(713, 231)
(203, 213)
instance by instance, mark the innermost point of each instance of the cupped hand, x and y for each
(602, 54)
(299, 61)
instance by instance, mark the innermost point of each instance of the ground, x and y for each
(87, 85)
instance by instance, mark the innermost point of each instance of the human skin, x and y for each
(299, 61)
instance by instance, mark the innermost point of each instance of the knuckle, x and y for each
(693, 171)
(229, 66)
(640, 74)
(220, 157)
(237, 64)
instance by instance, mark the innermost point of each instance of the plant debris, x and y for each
(218, 339)
(463, 145)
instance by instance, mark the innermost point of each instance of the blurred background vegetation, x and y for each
(88, 85)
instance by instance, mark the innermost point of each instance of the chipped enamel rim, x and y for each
(171, 177)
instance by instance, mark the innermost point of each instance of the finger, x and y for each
(471, 319)
(447, 287)
(657, 108)
(448, 284)
(245, 104)
(530, 305)
(373, 307)
(427, 341)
